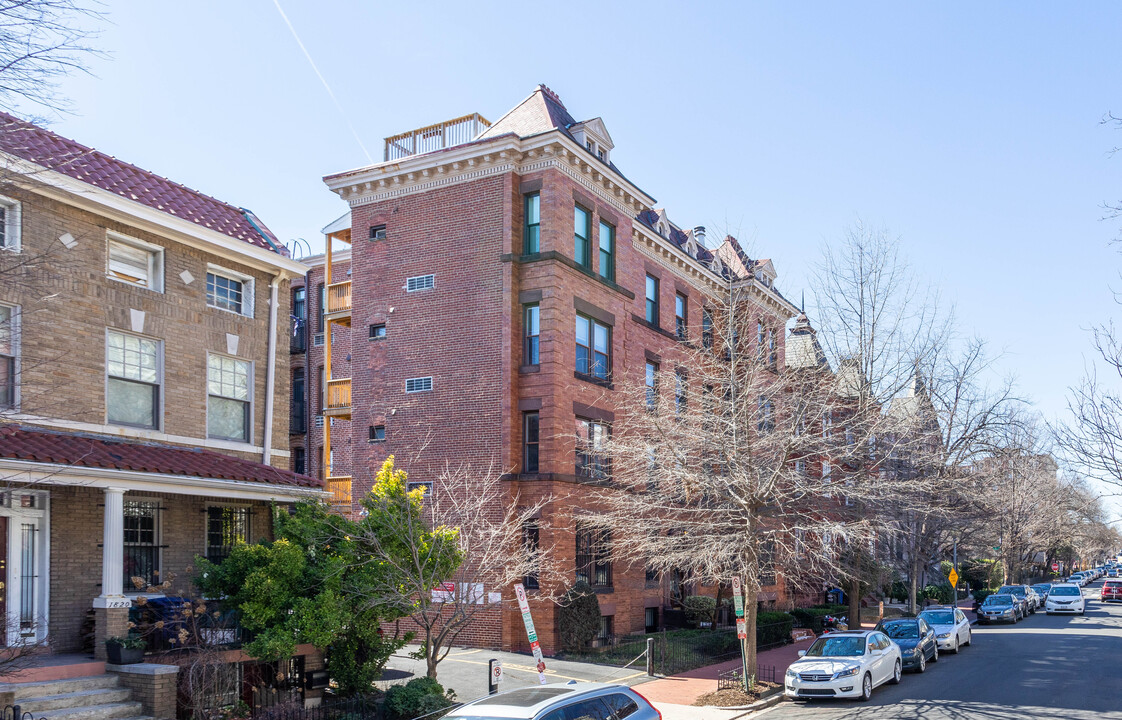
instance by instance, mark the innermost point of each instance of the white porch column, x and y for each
(113, 551)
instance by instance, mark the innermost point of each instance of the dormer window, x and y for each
(590, 145)
(600, 154)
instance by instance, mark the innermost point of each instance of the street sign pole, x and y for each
(741, 628)
(494, 676)
(531, 633)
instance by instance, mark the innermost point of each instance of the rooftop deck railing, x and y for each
(435, 137)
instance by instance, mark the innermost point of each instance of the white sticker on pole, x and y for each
(496, 673)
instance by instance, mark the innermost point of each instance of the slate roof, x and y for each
(45, 148)
(803, 349)
(541, 112)
(33, 444)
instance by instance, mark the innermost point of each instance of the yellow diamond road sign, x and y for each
(953, 577)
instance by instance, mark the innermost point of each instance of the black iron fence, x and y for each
(734, 678)
(362, 707)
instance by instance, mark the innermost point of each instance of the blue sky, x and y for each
(970, 130)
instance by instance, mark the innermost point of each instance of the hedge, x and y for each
(773, 628)
(813, 617)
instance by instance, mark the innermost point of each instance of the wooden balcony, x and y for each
(340, 488)
(339, 303)
(337, 401)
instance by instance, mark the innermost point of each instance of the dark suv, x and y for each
(1026, 597)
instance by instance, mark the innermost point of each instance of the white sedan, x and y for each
(952, 628)
(1065, 598)
(844, 664)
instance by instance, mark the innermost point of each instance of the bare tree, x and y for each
(41, 42)
(953, 419)
(717, 467)
(876, 321)
(448, 553)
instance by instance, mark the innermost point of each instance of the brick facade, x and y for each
(467, 331)
(76, 516)
(62, 339)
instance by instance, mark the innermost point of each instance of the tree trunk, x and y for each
(913, 587)
(716, 609)
(855, 603)
(430, 658)
(751, 600)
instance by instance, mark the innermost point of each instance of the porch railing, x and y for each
(338, 394)
(339, 297)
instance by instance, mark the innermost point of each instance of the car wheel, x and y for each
(867, 687)
(897, 673)
(969, 637)
(922, 663)
(935, 655)
(955, 650)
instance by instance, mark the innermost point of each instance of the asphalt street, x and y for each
(1058, 667)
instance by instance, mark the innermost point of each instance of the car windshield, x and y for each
(938, 617)
(843, 646)
(998, 600)
(1014, 589)
(1063, 591)
(901, 630)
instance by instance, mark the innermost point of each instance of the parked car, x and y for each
(847, 663)
(1065, 598)
(1041, 589)
(1112, 573)
(1112, 591)
(952, 629)
(1000, 608)
(558, 701)
(1020, 592)
(1077, 578)
(916, 640)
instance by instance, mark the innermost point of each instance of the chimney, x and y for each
(699, 235)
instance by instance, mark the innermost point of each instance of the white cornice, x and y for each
(58, 474)
(471, 161)
(130, 212)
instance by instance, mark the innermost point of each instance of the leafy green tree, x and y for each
(306, 587)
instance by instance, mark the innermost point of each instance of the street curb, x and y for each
(764, 704)
(773, 699)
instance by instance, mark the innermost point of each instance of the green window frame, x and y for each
(532, 238)
(582, 230)
(607, 242)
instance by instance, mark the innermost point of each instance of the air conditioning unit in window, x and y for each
(317, 340)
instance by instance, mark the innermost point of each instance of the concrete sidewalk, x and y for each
(465, 671)
(686, 688)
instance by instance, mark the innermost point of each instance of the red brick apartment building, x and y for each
(143, 378)
(500, 278)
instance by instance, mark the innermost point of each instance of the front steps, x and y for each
(97, 697)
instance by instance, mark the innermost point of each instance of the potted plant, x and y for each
(125, 650)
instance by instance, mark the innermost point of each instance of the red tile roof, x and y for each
(57, 153)
(33, 444)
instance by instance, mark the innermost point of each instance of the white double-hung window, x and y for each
(132, 386)
(229, 397)
(9, 340)
(9, 224)
(229, 290)
(136, 262)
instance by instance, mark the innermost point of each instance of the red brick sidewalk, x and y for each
(684, 689)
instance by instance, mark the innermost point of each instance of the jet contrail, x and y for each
(323, 80)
